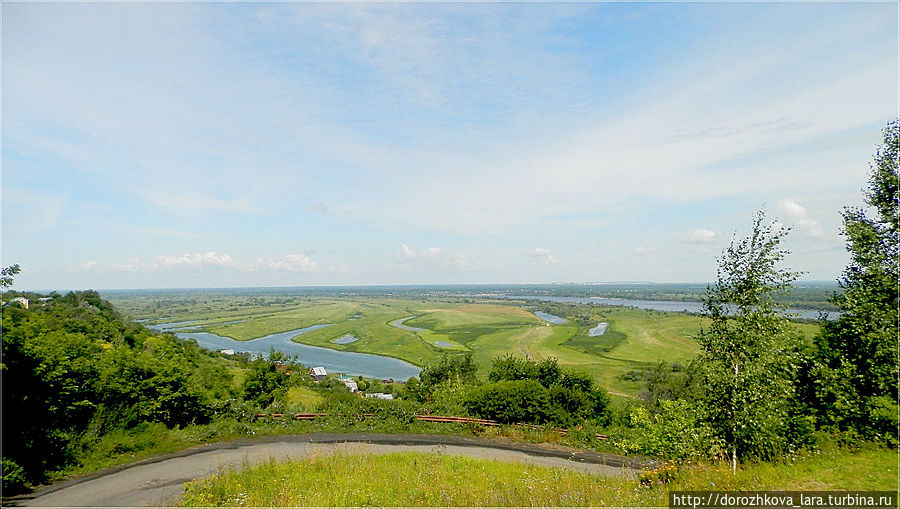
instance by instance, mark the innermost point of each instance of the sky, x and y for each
(180, 145)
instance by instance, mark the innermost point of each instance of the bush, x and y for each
(460, 368)
(14, 479)
(511, 401)
(674, 433)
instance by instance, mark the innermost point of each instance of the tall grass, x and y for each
(416, 479)
(404, 479)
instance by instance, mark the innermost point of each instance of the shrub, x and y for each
(675, 433)
(511, 401)
(14, 479)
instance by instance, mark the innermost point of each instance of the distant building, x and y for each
(380, 395)
(318, 374)
(351, 384)
(388, 381)
(227, 352)
(21, 300)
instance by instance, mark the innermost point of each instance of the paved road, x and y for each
(159, 481)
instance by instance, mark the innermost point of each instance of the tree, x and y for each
(6, 275)
(453, 368)
(857, 377)
(747, 352)
(264, 383)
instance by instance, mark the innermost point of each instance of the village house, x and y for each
(318, 374)
(21, 301)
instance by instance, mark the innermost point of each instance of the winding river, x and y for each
(334, 361)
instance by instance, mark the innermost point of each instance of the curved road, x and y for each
(158, 481)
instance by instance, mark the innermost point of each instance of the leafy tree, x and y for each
(511, 401)
(747, 351)
(670, 382)
(73, 369)
(6, 275)
(856, 383)
(512, 367)
(460, 368)
(264, 383)
(572, 396)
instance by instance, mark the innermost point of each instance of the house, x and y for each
(21, 300)
(351, 384)
(227, 352)
(318, 374)
(379, 395)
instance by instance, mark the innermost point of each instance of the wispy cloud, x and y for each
(212, 259)
(480, 130)
(796, 215)
(700, 236)
(544, 254)
(431, 257)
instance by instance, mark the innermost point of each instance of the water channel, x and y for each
(334, 361)
(657, 305)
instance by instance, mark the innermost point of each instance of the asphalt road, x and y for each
(159, 481)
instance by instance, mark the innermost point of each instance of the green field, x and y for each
(634, 340)
(415, 479)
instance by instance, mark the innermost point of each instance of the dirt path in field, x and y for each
(530, 337)
(159, 481)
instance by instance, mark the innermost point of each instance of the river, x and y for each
(334, 361)
(658, 305)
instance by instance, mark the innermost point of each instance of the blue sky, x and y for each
(199, 145)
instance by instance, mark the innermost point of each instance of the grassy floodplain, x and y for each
(416, 479)
(636, 339)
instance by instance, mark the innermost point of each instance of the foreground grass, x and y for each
(404, 479)
(415, 479)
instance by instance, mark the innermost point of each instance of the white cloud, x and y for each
(700, 236)
(292, 263)
(431, 256)
(544, 254)
(208, 259)
(211, 259)
(797, 215)
(643, 249)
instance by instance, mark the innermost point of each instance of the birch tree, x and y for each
(747, 351)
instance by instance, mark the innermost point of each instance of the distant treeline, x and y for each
(804, 295)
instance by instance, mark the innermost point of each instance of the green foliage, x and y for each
(674, 432)
(264, 383)
(461, 368)
(14, 479)
(671, 382)
(511, 401)
(74, 370)
(7, 275)
(749, 356)
(572, 396)
(857, 368)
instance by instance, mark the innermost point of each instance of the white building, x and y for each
(380, 395)
(318, 374)
(351, 384)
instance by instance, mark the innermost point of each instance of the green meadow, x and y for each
(635, 339)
